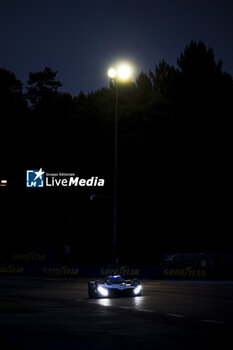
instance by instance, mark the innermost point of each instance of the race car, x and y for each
(114, 286)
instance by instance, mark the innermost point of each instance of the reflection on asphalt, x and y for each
(105, 302)
(169, 315)
(129, 303)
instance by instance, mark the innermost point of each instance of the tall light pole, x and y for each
(122, 73)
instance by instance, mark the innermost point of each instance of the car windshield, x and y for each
(114, 279)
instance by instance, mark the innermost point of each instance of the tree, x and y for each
(42, 88)
(197, 60)
(201, 75)
(164, 79)
(13, 111)
(13, 105)
(206, 91)
(11, 92)
(144, 84)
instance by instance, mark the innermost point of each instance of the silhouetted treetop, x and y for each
(42, 86)
(199, 70)
(194, 94)
(205, 90)
(197, 59)
(144, 84)
(164, 79)
(10, 88)
(12, 102)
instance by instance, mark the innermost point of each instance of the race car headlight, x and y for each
(102, 291)
(137, 290)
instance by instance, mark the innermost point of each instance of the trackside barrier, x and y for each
(149, 272)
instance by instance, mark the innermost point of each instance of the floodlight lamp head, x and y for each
(124, 72)
(112, 73)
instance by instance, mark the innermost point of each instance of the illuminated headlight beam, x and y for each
(102, 291)
(137, 290)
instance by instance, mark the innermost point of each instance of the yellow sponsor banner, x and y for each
(188, 272)
(31, 256)
(61, 271)
(122, 270)
(11, 269)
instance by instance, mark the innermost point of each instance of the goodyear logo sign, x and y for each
(187, 272)
(122, 270)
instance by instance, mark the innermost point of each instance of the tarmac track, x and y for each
(169, 315)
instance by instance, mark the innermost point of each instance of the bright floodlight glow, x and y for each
(124, 72)
(112, 73)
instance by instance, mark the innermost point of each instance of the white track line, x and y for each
(145, 310)
(148, 310)
(213, 321)
(175, 315)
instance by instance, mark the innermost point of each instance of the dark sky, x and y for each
(81, 39)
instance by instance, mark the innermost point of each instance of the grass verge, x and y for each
(9, 306)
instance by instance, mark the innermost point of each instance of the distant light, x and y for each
(124, 72)
(3, 183)
(112, 73)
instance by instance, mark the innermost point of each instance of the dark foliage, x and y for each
(174, 153)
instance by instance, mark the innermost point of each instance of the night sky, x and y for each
(81, 39)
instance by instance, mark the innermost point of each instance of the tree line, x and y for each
(174, 144)
(181, 111)
(196, 94)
